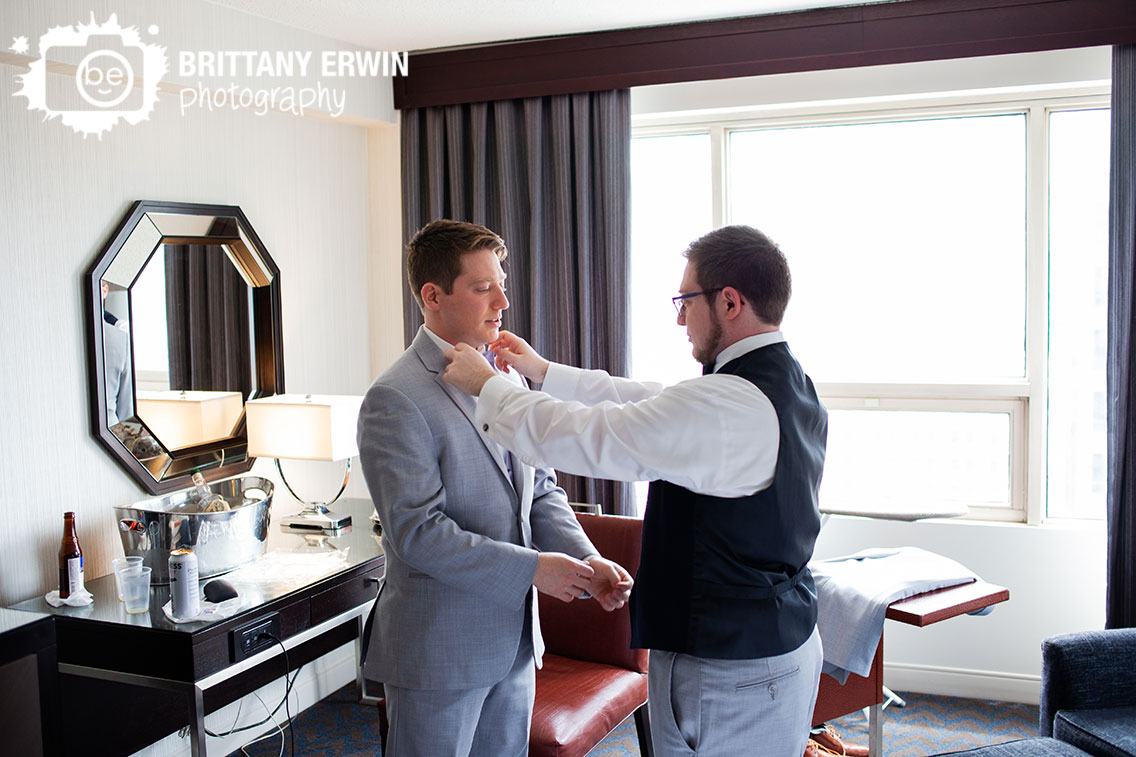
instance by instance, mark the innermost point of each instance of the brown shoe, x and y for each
(831, 741)
(813, 749)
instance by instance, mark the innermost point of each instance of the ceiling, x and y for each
(427, 24)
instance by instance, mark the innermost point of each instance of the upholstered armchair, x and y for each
(1088, 690)
(591, 680)
(1088, 698)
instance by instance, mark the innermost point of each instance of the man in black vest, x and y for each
(723, 598)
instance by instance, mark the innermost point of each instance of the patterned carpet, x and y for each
(340, 726)
(932, 724)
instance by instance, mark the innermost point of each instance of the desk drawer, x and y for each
(346, 596)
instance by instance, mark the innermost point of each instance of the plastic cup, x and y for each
(120, 564)
(136, 589)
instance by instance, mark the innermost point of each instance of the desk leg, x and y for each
(197, 746)
(875, 731)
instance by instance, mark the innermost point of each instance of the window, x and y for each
(919, 267)
(670, 201)
(1078, 310)
(952, 332)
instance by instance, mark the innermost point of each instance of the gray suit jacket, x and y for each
(119, 376)
(457, 532)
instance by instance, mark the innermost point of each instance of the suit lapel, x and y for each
(434, 362)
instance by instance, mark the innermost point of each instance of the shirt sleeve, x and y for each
(715, 434)
(589, 387)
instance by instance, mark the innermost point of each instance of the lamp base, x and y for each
(316, 517)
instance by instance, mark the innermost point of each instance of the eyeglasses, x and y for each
(680, 300)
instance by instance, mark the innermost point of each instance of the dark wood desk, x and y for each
(29, 701)
(173, 674)
(835, 700)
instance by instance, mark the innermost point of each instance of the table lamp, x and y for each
(305, 427)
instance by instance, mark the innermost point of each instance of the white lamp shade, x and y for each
(183, 419)
(303, 427)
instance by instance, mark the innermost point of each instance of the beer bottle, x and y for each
(70, 559)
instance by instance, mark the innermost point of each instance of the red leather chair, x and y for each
(591, 680)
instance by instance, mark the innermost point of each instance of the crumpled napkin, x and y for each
(209, 610)
(80, 598)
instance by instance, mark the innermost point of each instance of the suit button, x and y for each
(484, 426)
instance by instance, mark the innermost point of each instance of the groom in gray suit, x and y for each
(455, 635)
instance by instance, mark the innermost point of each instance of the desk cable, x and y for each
(290, 682)
(266, 736)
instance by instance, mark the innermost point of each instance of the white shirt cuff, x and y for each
(562, 381)
(489, 400)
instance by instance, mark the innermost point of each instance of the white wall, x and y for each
(1055, 572)
(306, 185)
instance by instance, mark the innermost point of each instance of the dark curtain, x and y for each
(207, 320)
(551, 175)
(1120, 599)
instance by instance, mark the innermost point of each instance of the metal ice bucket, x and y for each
(221, 540)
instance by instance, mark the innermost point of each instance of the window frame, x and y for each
(1024, 399)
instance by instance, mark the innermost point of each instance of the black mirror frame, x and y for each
(267, 346)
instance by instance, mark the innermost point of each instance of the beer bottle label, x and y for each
(74, 574)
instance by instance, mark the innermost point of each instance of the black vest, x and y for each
(729, 578)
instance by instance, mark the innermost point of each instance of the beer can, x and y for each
(185, 600)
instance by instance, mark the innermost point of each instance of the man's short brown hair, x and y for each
(434, 255)
(745, 259)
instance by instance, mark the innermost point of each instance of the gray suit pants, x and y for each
(492, 721)
(702, 706)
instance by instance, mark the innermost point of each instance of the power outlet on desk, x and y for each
(253, 637)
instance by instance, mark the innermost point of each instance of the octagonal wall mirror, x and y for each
(183, 322)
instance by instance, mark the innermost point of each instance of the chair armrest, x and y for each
(1089, 669)
(583, 507)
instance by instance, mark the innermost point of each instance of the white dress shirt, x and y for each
(716, 434)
